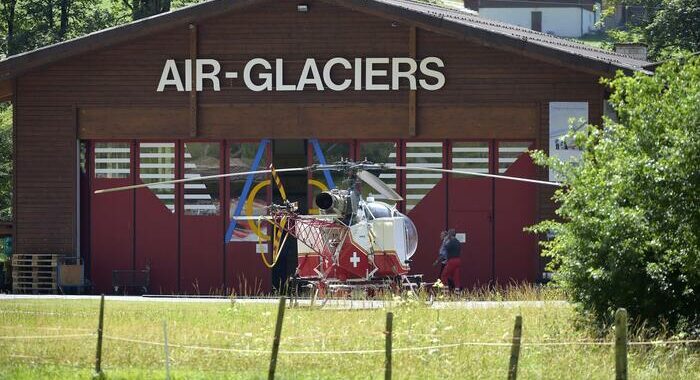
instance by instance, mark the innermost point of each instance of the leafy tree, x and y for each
(8, 12)
(183, 3)
(629, 234)
(30, 24)
(669, 27)
(146, 8)
(676, 26)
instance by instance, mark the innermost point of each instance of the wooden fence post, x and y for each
(388, 333)
(515, 348)
(621, 344)
(98, 354)
(165, 348)
(276, 340)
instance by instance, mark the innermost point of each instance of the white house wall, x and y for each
(562, 22)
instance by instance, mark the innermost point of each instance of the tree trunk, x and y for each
(65, 4)
(11, 27)
(49, 15)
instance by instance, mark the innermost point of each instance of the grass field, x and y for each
(237, 325)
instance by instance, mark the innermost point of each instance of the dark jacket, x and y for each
(453, 248)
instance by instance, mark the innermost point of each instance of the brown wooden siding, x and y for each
(7, 88)
(489, 93)
(46, 179)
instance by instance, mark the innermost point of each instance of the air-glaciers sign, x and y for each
(371, 74)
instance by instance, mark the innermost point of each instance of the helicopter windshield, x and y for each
(378, 210)
(411, 235)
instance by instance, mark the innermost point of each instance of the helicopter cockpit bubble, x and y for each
(378, 210)
(411, 235)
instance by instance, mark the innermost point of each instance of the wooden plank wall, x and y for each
(489, 94)
(45, 178)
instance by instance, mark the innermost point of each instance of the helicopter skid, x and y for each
(352, 287)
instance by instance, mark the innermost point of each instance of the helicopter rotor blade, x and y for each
(268, 217)
(364, 175)
(203, 178)
(477, 174)
(379, 185)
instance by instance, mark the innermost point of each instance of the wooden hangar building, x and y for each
(232, 85)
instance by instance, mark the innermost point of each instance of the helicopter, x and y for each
(354, 242)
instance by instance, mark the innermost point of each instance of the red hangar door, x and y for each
(489, 215)
(425, 202)
(156, 215)
(111, 214)
(515, 208)
(470, 209)
(202, 224)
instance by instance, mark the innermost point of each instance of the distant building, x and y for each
(624, 15)
(632, 50)
(563, 18)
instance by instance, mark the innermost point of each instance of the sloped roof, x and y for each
(519, 37)
(442, 20)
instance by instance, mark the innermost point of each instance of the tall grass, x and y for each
(497, 293)
(240, 325)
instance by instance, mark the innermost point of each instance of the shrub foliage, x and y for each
(629, 227)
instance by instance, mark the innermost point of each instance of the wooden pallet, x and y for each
(35, 288)
(34, 260)
(34, 273)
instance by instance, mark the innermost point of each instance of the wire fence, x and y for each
(621, 343)
(523, 343)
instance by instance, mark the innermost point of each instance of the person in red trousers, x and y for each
(452, 268)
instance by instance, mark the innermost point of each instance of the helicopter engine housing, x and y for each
(333, 201)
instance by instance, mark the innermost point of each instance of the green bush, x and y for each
(629, 227)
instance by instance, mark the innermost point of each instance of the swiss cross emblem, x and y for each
(354, 259)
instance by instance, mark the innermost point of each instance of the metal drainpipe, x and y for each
(581, 9)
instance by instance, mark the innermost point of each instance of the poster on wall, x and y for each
(562, 116)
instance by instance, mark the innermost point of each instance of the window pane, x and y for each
(470, 156)
(379, 153)
(112, 160)
(157, 164)
(418, 184)
(508, 153)
(202, 197)
(241, 160)
(333, 152)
